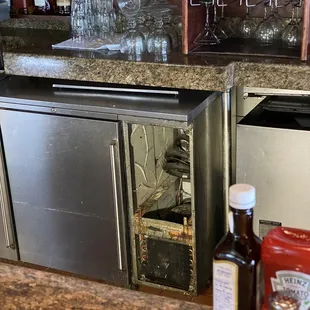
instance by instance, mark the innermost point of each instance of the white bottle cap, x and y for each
(242, 196)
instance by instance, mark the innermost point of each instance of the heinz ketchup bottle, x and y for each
(236, 264)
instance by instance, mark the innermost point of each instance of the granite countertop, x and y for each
(24, 288)
(35, 57)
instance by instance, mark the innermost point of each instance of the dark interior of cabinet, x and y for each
(194, 20)
(236, 46)
(161, 254)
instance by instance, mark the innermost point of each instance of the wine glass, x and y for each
(141, 27)
(292, 34)
(265, 31)
(171, 30)
(224, 24)
(149, 20)
(129, 7)
(133, 41)
(159, 42)
(216, 27)
(277, 21)
(207, 36)
(247, 26)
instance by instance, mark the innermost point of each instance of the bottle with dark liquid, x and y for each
(236, 265)
(21, 7)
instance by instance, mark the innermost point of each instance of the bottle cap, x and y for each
(242, 196)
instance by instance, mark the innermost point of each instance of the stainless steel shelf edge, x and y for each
(209, 100)
(38, 94)
(117, 89)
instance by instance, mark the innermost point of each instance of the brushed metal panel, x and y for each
(208, 187)
(276, 162)
(62, 193)
(8, 246)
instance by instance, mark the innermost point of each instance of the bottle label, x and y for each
(63, 2)
(296, 282)
(39, 2)
(225, 285)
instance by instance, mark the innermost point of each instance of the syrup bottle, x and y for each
(236, 265)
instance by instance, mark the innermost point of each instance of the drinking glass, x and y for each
(149, 20)
(265, 31)
(225, 25)
(78, 20)
(216, 27)
(292, 33)
(276, 20)
(129, 7)
(171, 30)
(141, 26)
(247, 26)
(207, 36)
(120, 22)
(101, 18)
(91, 19)
(159, 42)
(133, 41)
(177, 23)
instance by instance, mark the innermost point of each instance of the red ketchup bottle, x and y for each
(286, 262)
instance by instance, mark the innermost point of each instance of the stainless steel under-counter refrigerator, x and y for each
(273, 149)
(116, 183)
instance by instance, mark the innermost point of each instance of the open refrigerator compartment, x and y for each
(162, 213)
(170, 249)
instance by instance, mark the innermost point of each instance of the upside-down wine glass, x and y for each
(224, 24)
(247, 26)
(276, 20)
(141, 25)
(133, 41)
(207, 36)
(159, 42)
(171, 31)
(292, 34)
(265, 32)
(216, 26)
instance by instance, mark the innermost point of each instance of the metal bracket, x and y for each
(220, 4)
(194, 4)
(247, 4)
(276, 4)
(267, 2)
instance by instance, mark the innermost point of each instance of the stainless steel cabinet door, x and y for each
(64, 176)
(7, 235)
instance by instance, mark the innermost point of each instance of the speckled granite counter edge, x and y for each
(203, 77)
(278, 76)
(119, 71)
(23, 288)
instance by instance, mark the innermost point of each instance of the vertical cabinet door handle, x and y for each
(112, 147)
(5, 205)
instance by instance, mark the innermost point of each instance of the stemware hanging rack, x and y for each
(279, 28)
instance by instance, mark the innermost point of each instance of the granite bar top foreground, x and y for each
(34, 56)
(24, 288)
